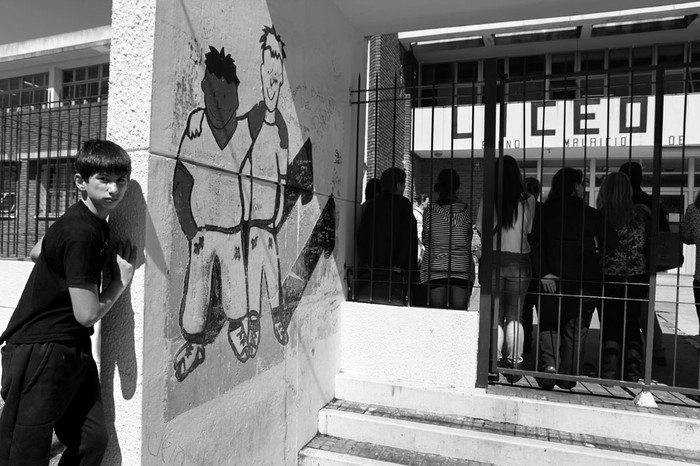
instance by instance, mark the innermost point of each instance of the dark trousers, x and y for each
(531, 300)
(696, 293)
(564, 322)
(619, 315)
(47, 387)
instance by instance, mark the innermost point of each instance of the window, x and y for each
(7, 205)
(592, 84)
(87, 84)
(436, 84)
(671, 57)
(561, 86)
(468, 87)
(694, 54)
(531, 70)
(24, 90)
(57, 190)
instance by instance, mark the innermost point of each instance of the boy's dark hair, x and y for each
(564, 183)
(447, 182)
(221, 65)
(390, 177)
(374, 187)
(102, 156)
(634, 171)
(532, 186)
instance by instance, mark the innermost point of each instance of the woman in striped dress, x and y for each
(448, 268)
(510, 226)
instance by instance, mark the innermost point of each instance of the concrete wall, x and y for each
(430, 348)
(242, 305)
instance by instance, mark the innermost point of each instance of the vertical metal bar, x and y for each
(490, 89)
(656, 190)
(358, 107)
(374, 211)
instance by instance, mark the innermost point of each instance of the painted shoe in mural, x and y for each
(279, 325)
(253, 333)
(238, 338)
(244, 335)
(187, 359)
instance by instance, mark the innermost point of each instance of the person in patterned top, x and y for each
(447, 267)
(626, 283)
(690, 232)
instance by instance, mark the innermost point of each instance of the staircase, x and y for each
(375, 422)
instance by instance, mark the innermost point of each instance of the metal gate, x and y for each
(593, 121)
(38, 144)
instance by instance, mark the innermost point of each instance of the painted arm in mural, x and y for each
(194, 124)
(183, 181)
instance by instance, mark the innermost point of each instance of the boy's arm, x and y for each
(89, 305)
(36, 250)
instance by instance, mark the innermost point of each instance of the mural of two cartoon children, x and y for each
(231, 216)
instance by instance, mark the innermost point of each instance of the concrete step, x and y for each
(325, 450)
(462, 439)
(623, 422)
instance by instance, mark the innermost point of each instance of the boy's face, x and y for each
(102, 192)
(220, 99)
(272, 79)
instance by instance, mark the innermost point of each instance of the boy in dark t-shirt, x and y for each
(49, 377)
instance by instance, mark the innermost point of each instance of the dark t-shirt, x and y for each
(73, 253)
(388, 235)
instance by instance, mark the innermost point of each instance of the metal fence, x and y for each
(593, 122)
(38, 144)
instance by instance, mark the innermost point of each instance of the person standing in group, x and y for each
(447, 268)
(634, 171)
(565, 239)
(420, 202)
(690, 233)
(626, 286)
(514, 210)
(532, 187)
(387, 241)
(49, 377)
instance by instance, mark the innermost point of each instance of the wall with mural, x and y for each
(253, 140)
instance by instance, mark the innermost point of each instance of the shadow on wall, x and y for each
(118, 351)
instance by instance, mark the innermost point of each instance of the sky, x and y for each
(28, 19)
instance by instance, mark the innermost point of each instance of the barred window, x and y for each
(86, 84)
(24, 90)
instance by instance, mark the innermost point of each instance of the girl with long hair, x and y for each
(514, 210)
(626, 279)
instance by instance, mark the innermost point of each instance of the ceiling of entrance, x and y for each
(386, 16)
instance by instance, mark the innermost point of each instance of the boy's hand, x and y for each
(124, 262)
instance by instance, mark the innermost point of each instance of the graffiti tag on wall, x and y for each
(232, 216)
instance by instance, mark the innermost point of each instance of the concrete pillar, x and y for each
(129, 125)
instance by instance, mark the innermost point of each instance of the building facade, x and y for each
(53, 96)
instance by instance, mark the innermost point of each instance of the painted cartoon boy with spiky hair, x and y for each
(264, 170)
(207, 200)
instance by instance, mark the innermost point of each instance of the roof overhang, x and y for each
(623, 28)
(68, 49)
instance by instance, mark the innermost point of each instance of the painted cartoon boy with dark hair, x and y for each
(209, 208)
